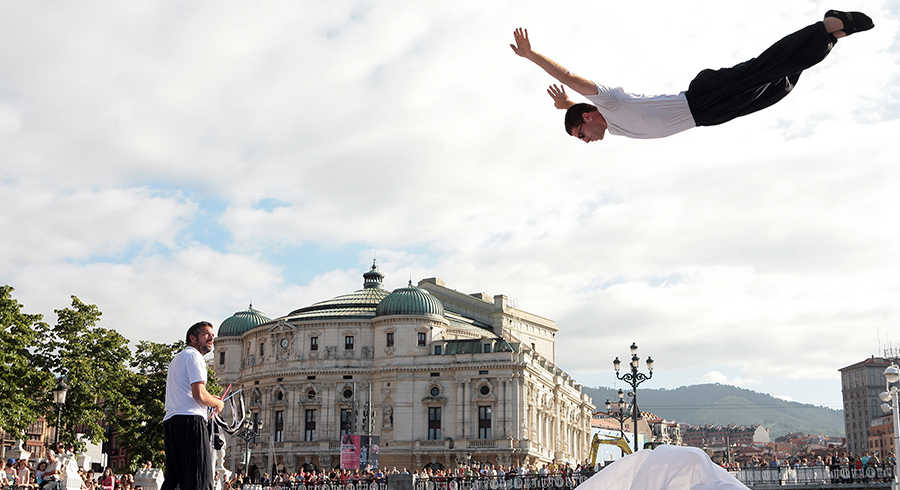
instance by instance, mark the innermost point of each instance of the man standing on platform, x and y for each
(185, 425)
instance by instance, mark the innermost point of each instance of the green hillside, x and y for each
(723, 404)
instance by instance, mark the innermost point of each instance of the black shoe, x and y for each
(853, 21)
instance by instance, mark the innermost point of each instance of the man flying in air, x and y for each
(712, 97)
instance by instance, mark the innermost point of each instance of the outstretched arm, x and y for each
(560, 99)
(523, 49)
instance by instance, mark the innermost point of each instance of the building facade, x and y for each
(860, 385)
(438, 376)
(881, 437)
(664, 431)
(38, 436)
(703, 436)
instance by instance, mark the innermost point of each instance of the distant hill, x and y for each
(723, 404)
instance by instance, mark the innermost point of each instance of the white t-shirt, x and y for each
(186, 368)
(641, 116)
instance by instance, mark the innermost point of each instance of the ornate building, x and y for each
(440, 377)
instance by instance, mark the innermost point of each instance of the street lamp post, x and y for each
(892, 405)
(249, 435)
(620, 413)
(59, 398)
(634, 378)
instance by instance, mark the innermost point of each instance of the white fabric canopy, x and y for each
(664, 468)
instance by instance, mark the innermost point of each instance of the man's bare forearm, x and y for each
(204, 397)
(557, 71)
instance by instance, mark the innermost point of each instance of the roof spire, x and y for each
(373, 278)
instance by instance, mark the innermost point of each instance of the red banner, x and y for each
(349, 452)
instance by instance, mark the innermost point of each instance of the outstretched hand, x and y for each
(523, 45)
(560, 99)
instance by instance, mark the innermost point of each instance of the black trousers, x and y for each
(188, 453)
(717, 96)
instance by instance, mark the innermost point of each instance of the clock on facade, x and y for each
(284, 343)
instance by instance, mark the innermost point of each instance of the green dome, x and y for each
(358, 304)
(242, 321)
(410, 300)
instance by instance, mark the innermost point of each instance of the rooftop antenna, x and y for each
(878, 339)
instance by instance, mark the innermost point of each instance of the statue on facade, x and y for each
(387, 417)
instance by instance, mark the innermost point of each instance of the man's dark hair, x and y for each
(195, 330)
(574, 116)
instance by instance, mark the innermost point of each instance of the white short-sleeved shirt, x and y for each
(186, 368)
(641, 116)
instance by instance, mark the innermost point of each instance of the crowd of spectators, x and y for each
(22, 475)
(490, 470)
(835, 458)
(322, 477)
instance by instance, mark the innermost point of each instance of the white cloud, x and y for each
(46, 224)
(10, 119)
(754, 247)
(157, 297)
(718, 377)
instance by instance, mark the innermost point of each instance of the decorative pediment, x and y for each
(310, 395)
(281, 326)
(434, 401)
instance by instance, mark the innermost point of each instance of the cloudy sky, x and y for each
(175, 161)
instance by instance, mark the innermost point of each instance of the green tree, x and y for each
(94, 361)
(24, 385)
(139, 427)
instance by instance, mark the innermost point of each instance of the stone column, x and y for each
(502, 412)
(331, 432)
(539, 423)
(554, 430)
(576, 443)
(460, 410)
(516, 410)
(529, 421)
(557, 424)
(465, 410)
